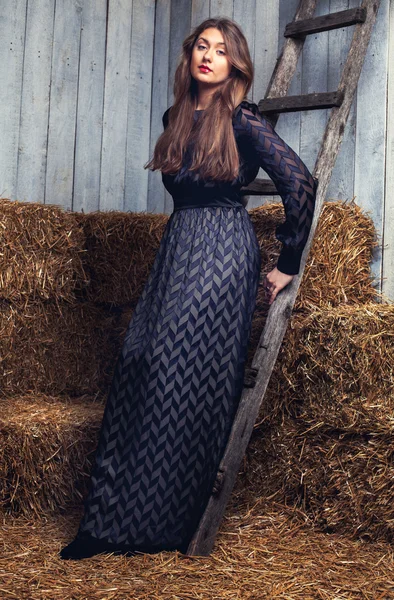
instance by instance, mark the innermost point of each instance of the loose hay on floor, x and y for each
(259, 553)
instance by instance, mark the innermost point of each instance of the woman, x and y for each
(179, 377)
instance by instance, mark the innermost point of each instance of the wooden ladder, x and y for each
(275, 102)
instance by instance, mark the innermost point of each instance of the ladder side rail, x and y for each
(286, 63)
(280, 311)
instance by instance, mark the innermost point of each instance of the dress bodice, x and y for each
(258, 146)
(187, 188)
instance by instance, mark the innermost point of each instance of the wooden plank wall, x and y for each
(388, 219)
(85, 84)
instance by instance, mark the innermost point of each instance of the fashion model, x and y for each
(179, 376)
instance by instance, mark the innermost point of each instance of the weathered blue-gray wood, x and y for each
(36, 45)
(369, 160)
(244, 13)
(89, 115)
(161, 94)
(219, 8)
(63, 104)
(83, 93)
(12, 28)
(199, 12)
(265, 54)
(314, 79)
(288, 124)
(116, 100)
(388, 230)
(341, 185)
(139, 95)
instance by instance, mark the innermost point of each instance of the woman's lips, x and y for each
(205, 69)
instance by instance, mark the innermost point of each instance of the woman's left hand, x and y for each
(275, 281)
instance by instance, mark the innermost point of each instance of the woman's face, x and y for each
(210, 50)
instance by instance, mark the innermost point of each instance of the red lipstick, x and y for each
(204, 69)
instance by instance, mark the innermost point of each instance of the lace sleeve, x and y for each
(294, 183)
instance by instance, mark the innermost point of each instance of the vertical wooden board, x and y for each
(199, 12)
(342, 178)
(160, 86)
(289, 124)
(245, 15)
(388, 215)
(265, 55)
(266, 34)
(371, 131)
(89, 117)
(180, 21)
(221, 8)
(116, 86)
(63, 104)
(314, 79)
(12, 30)
(139, 105)
(33, 134)
(180, 28)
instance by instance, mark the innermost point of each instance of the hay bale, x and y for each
(120, 251)
(338, 482)
(41, 252)
(47, 446)
(336, 368)
(323, 440)
(338, 269)
(106, 256)
(58, 348)
(326, 420)
(337, 272)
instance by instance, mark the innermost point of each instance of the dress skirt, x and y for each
(176, 386)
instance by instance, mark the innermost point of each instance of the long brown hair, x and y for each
(215, 153)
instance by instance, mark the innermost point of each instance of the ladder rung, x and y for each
(262, 187)
(259, 187)
(343, 18)
(303, 102)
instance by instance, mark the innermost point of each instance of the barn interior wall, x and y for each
(85, 84)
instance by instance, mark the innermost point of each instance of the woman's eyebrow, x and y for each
(206, 41)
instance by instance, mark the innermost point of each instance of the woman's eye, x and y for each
(200, 47)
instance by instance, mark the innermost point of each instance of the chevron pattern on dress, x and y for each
(176, 384)
(289, 173)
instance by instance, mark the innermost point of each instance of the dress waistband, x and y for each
(189, 202)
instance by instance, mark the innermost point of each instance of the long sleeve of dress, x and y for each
(292, 179)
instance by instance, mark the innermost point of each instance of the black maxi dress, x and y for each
(179, 377)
